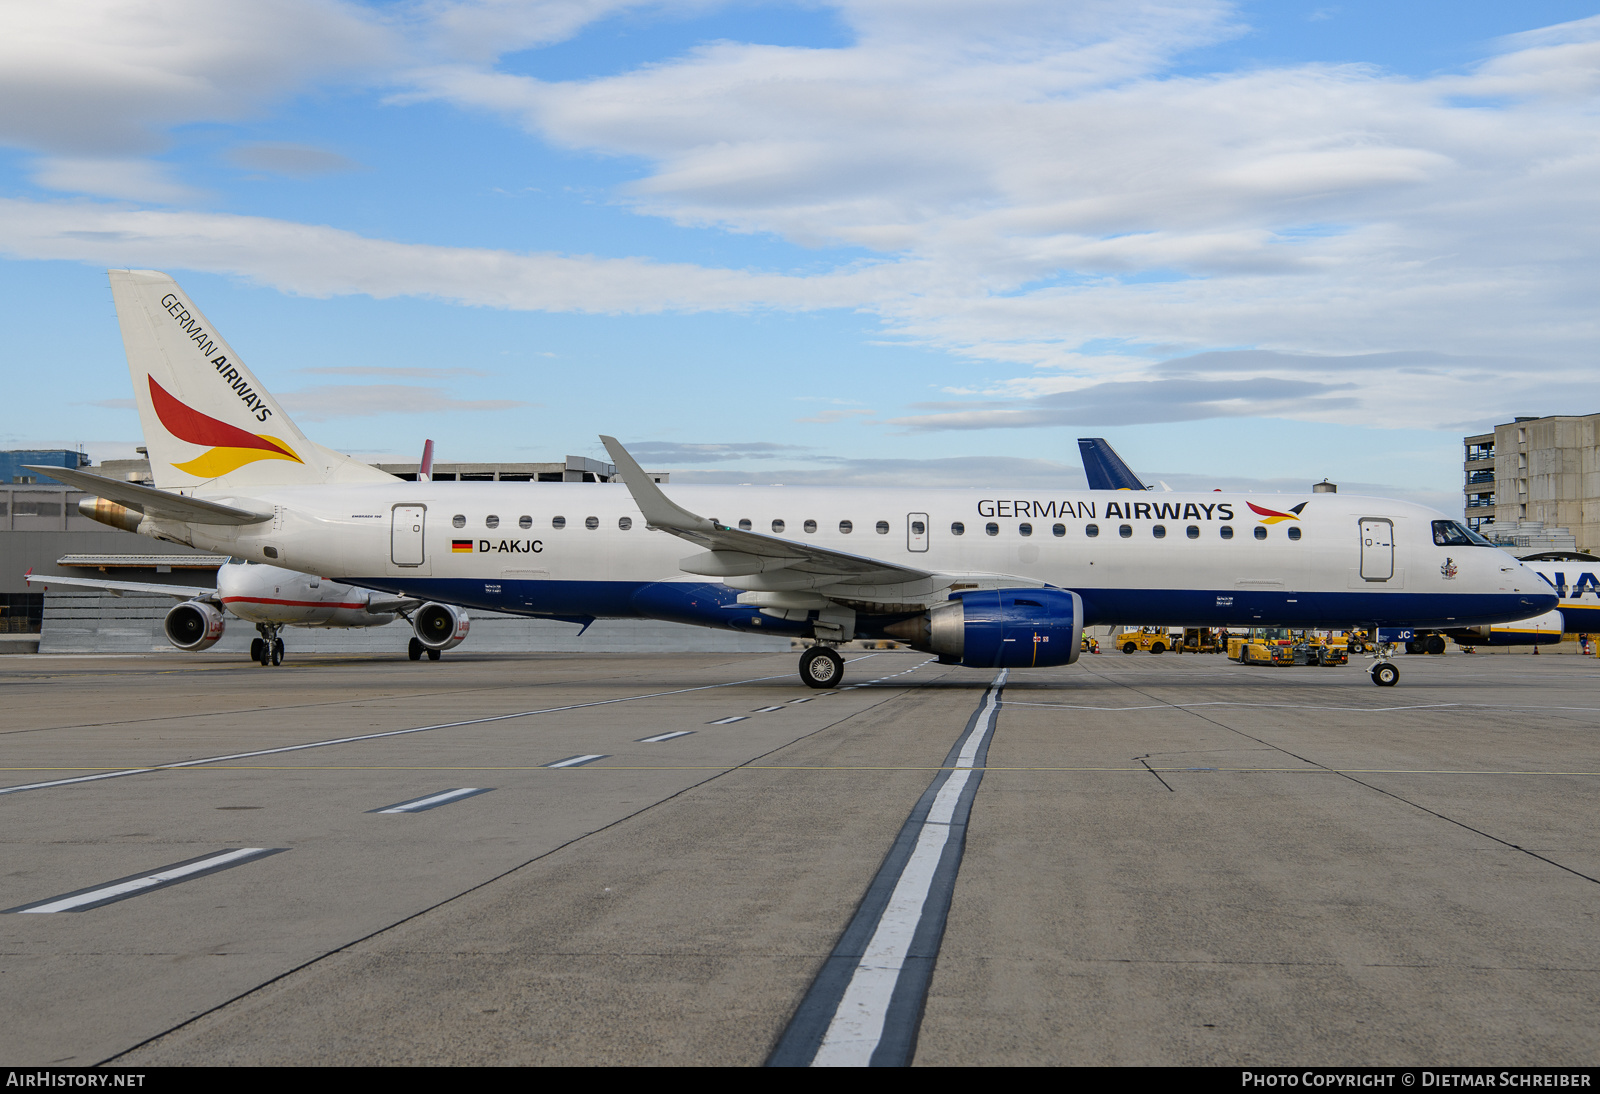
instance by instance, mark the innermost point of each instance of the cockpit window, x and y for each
(1450, 533)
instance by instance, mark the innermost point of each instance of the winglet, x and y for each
(659, 511)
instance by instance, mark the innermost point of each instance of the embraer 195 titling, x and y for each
(983, 578)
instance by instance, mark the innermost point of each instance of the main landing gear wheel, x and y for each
(434, 655)
(277, 651)
(821, 667)
(255, 650)
(414, 651)
(1385, 675)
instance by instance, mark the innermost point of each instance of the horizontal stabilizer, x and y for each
(1104, 468)
(159, 504)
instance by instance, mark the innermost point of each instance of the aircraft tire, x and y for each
(255, 650)
(821, 667)
(414, 651)
(277, 651)
(1413, 646)
(1434, 644)
(1385, 675)
(434, 655)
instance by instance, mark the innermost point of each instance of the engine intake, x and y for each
(1003, 628)
(440, 626)
(193, 626)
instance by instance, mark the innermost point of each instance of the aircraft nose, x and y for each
(1536, 587)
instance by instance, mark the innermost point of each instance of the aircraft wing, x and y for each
(1104, 468)
(733, 553)
(152, 502)
(392, 605)
(124, 588)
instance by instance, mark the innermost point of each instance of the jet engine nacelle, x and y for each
(1540, 630)
(1004, 628)
(440, 626)
(193, 626)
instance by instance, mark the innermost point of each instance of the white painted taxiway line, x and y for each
(659, 737)
(433, 801)
(727, 721)
(577, 761)
(765, 710)
(121, 889)
(371, 737)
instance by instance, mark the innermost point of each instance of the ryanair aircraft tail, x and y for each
(207, 420)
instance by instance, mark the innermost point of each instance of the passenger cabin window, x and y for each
(777, 526)
(991, 529)
(1058, 530)
(1226, 531)
(1261, 533)
(918, 528)
(810, 526)
(591, 523)
(883, 527)
(1125, 531)
(459, 520)
(524, 522)
(1025, 529)
(845, 527)
(1193, 531)
(1091, 530)
(957, 528)
(744, 525)
(625, 523)
(1159, 531)
(558, 523)
(491, 521)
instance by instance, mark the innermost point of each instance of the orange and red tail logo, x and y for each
(1272, 516)
(230, 447)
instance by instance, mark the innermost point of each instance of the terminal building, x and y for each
(1534, 483)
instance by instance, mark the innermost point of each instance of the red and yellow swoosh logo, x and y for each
(1272, 516)
(230, 447)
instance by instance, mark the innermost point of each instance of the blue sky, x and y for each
(872, 240)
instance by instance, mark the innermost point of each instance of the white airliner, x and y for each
(983, 578)
(272, 598)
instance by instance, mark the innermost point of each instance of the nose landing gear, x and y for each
(268, 649)
(1385, 673)
(821, 667)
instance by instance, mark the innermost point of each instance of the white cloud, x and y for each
(131, 180)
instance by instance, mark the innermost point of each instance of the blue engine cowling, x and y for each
(1002, 628)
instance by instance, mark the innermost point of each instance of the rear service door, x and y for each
(405, 537)
(1377, 550)
(916, 531)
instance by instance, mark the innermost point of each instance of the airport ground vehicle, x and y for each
(1262, 646)
(830, 564)
(1200, 640)
(1149, 639)
(1089, 644)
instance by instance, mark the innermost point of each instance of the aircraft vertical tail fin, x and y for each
(207, 420)
(1104, 468)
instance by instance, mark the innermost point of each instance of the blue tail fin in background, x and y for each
(1105, 468)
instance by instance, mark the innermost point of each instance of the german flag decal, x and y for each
(461, 546)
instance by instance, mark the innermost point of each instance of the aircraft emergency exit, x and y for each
(983, 578)
(272, 598)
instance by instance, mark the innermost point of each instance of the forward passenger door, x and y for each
(1377, 549)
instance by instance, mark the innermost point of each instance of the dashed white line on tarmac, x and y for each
(123, 888)
(577, 761)
(433, 801)
(659, 737)
(765, 710)
(727, 721)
